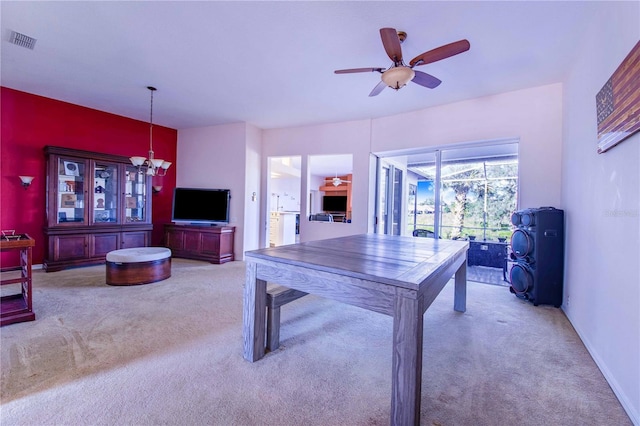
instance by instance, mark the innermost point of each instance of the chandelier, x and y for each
(151, 166)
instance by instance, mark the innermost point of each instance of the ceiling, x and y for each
(271, 63)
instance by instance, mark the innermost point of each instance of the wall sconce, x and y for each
(26, 181)
(156, 188)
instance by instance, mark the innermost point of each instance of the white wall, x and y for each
(288, 191)
(253, 176)
(216, 157)
(350, 137)
(533, 115)
(601, 197)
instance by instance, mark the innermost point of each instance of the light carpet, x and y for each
(170, 353)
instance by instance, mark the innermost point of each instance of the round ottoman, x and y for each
(141, 265)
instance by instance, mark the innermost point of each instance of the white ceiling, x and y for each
(271, 63)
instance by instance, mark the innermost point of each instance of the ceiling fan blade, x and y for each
(441, 52)
(426, 80)
(352, 70)
(379, 87)
(391, 43)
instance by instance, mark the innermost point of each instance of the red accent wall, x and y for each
(31, 122)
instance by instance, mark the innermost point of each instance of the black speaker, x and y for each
(537, 253)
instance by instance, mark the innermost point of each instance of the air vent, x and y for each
(22, 40)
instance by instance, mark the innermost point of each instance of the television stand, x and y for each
(211, 243)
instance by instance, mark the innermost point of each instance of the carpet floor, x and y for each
(170, 353)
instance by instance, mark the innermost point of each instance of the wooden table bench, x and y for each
(278, 296)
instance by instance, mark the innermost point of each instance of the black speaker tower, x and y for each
(537, 246)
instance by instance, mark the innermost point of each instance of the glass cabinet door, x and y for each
(105, 193)
(135, 197)
(70, 203)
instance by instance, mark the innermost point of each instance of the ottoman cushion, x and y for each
(142, 265)
(138, 254)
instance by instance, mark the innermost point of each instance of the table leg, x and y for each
(406, 378)
(253, 314)
(460, 293)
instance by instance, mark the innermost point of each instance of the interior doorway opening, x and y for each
(284, 200)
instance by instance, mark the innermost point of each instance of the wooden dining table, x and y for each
(394, 275)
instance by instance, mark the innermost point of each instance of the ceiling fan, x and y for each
(336, 181)
(399, 74)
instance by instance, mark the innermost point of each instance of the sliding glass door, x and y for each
(467, 192)
(391, 199)
(478, 193)
(421, 209)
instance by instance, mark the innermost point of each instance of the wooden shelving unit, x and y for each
(18, 307)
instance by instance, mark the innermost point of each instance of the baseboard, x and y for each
(634, 416)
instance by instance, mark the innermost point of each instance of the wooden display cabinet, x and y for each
(96, 203)
(18, 307)
(210, 243)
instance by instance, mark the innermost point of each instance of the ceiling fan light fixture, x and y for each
(398, 77)
(399, 74)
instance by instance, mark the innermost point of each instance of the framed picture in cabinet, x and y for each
(103, 216)
(71, 168)
(99, 203)
(68, 200)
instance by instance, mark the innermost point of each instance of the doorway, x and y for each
(284, 200)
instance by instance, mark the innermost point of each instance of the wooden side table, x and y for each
(18, 307)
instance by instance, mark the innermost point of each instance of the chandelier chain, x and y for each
(151, 122)
(151, 166)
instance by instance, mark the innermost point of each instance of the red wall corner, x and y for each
(30, 122)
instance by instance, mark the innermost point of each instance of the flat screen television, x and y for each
(334, 203)
(201, 206)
